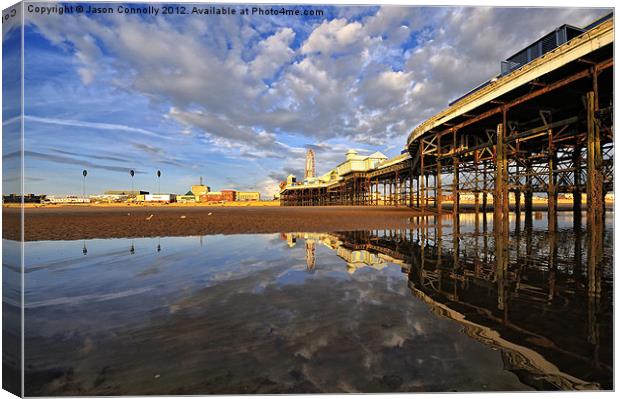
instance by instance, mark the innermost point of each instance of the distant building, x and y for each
(127, 193)
(69, 199)
(248, 196)
(210, 196)
(218, 196)
(188, 197)
(119, 195)
(229, 195)
(166, 198)
(28, 198)
(353, 163)
(310, 169)
(200, 189)
(468, 196)
(359, 163)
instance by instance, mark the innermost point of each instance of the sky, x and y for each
(239, 99)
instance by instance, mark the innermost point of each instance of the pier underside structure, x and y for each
(545, 128)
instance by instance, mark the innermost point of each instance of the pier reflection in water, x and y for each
(430, 308)
(544, 303)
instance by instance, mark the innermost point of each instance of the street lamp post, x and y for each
(158, 183)
(131, 173)
(84, 173)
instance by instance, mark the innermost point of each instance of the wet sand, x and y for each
(83, 222)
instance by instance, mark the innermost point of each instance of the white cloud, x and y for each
(226, 134)
(237, 84)
(94, 125)
(274, 52)
(385, 89)
(335, 36)
(11, 121)
(87, 75)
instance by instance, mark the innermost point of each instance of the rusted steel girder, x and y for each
(594, 163)
(500, 197)
(438, 192)
(552, 194)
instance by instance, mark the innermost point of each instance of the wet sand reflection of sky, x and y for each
(253, 313)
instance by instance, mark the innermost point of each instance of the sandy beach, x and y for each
(85, 222)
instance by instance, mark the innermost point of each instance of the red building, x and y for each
(229, 195)
(218, 196)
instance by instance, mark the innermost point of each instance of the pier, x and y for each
(543, 126)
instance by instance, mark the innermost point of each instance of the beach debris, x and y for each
(157, 376)
(183, 216)
(210, 213)
(150, 217)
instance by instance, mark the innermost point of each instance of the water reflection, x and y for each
(333, 312)
(541, 304)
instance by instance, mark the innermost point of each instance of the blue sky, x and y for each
(11, 108)
(238, 100)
